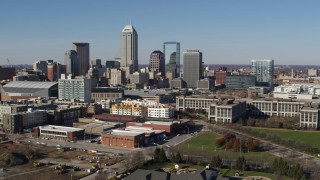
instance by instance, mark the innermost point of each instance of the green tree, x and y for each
(217, 161)
(156, 155)
(241, 163)
(178, 157)
(162, 156)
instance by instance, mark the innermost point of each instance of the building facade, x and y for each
(75, 89)
(129, 49)
(99, 94)
(160, 112)
(171, 52)
(83, 52)
(71, 62)
(192, 67)
(240, 81)
(227, 111)
(263, 70)
(157, 62)
(112, 64)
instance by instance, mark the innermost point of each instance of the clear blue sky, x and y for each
(226, 31)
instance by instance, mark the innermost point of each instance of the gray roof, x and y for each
(30, 84)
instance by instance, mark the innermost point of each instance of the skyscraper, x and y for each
(157, 62)
(71, 62)
(129, 50)
(171, 52)
(83, 52)
(192, 67)
(263, 70)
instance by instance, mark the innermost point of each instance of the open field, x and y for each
(309, 137)
(204, 145)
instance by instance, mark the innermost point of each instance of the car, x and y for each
(38, 142)
(43, 143)
(29, 142)
(168, 146)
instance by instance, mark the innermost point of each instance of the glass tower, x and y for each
(263, 71)
(171, 52)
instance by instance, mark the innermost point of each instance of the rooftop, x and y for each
(59, 128)
(125, 133)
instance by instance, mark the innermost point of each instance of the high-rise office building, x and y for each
(41, 66)
(96, 63)
(71, 62)
(263, 71)
(111, 64)
(83, 52)
(129, 50)
(192, 67)
(171, 52)
(157, 62)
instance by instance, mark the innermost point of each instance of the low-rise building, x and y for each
(17, 122)
(240, 81)
(59, 133)
(121, 138)
(9, 109)
(226, 111)
(99, 94)
(160, 112)
(309, 117)
(206, 84)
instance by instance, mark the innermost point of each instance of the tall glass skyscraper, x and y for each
(71, 62)
(263, 70)
(171, 52)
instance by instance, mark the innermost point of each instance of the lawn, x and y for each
(310, 137)
(204, 145)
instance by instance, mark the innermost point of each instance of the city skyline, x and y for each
(229, 32)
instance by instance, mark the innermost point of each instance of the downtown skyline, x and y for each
(229, 32)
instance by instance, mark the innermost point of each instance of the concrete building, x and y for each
(65, 115)
(118, 77)
(275, 107)
(171, 52)
(29, 89)
(160, 112)
(192, 67)
(41, 66)
(157, 62)
(120, 138)
(10, 109)
(83, 52)
(226, 111)
(170, 127)
(75, 89)
(59, 132)
(206, 84)
(194, 103)
(240, 81)
(309, 117)
(177, 83)
(263, 70)
(139, 78)
(312, 72)
(96, 63)
(17, 122)
(7, 73)
(103, 93)
(129, 50)
(129, 109)
(71, 62)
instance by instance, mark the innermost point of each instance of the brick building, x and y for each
(121, 138)
(59, 132)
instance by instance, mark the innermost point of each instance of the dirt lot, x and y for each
(50, 158)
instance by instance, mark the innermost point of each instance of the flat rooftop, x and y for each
(60, 128)
(125, 133)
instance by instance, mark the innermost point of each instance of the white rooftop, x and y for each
(125, 133)
(59, 128)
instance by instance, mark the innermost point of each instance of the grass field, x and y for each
(204, 145)
(309, 137)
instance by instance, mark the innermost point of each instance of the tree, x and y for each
(162, 155)
(177, 158)
(217, 162)
(134, 160)
(156, 154)
(241, 163)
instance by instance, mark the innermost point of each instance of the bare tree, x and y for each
(134, 160)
